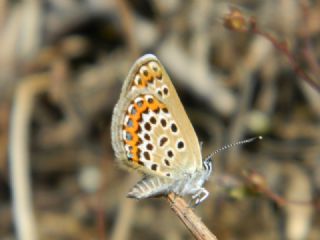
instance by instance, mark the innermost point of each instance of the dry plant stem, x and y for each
(19, 155)
(279, 200)
(189, 218)
(122, 227)
(284, 49)
(100, 216)
(308, 51)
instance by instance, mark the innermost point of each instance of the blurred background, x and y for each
(240, 70)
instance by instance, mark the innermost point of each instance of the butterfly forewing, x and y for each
(150, 128)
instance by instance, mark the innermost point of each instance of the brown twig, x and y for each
(258, 184)
(307, 51)
(122, 227)
(283, 48)
(189, 218)
(236, 21)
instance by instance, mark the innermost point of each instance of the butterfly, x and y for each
(152, 134)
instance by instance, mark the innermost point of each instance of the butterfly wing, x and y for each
(150, 128)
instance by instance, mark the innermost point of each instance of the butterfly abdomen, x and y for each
(149, 187)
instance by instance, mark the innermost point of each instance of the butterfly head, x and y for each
(207, 165)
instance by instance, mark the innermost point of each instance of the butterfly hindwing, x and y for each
(150, 128)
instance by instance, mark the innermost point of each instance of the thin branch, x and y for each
(236, 21)
(283, 48)
(189, 218)
(24, 219)
(122, 227)
(258, 184)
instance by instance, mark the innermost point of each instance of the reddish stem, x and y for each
(284, 49)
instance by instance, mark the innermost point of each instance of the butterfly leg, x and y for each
(197, 196)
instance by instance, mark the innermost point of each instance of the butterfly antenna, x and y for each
(232, 145)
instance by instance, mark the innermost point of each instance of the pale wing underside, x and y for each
(150, 129)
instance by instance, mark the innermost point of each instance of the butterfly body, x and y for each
(190, 183)
(152, 134)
